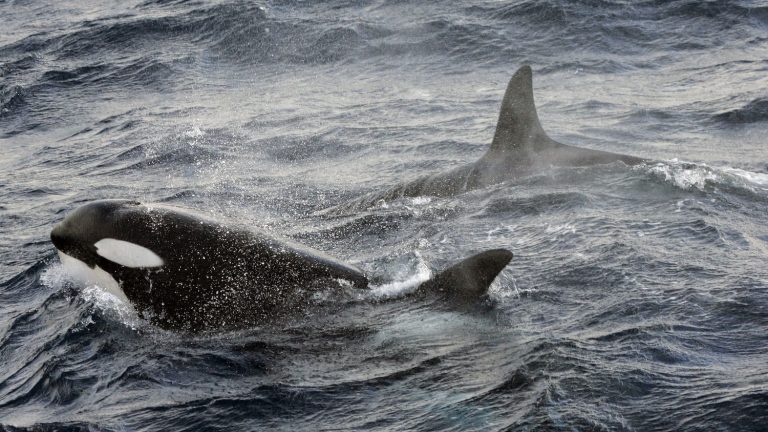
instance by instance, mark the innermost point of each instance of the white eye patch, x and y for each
(127, 254)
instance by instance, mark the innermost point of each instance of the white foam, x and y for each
(195, 132)
(757, 179)
(96, 288)
(77, 271)
(403, 287)
(422, 200)
(560, 229)
(684, 175)
(105, 300)
(687, 175)
(501, 232)
(499, 290)
(55, 276)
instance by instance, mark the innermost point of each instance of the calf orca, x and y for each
(185, 271)
(519, 147)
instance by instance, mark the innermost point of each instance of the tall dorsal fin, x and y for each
(467, 280)
(518, 124)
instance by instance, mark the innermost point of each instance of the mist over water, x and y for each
(638, 296)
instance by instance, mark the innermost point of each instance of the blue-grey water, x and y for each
(638, 296)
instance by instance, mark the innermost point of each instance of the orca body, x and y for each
(520, 147)
(188, 272)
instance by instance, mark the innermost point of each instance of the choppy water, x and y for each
(638, 297)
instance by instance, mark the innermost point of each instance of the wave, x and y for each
(188, 148)
(157, 46)
(240, 32)
(12, 98)
(143, 71)
(753, 112)
(22, 426)
(38, 97)
(542, 204)
(607, 26)
(18, 66)
(687, 176)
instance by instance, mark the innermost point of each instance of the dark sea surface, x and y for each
(638, 296)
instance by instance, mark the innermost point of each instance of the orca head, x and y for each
(101, 230)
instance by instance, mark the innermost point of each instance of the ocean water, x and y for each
(638, 296)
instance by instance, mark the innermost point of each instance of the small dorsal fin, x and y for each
(518, 124)
(467, 280)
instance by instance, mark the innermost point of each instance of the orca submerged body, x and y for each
(185, 271)
(520, 147)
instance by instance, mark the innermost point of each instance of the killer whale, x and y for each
(520, 147)
(188, 272)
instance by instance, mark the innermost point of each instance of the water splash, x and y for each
(405, 286)
(57, 276)
(684, 175)
(759, 180)
(688, 175)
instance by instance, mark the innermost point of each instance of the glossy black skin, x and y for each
(214, 276)
(218, 277)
